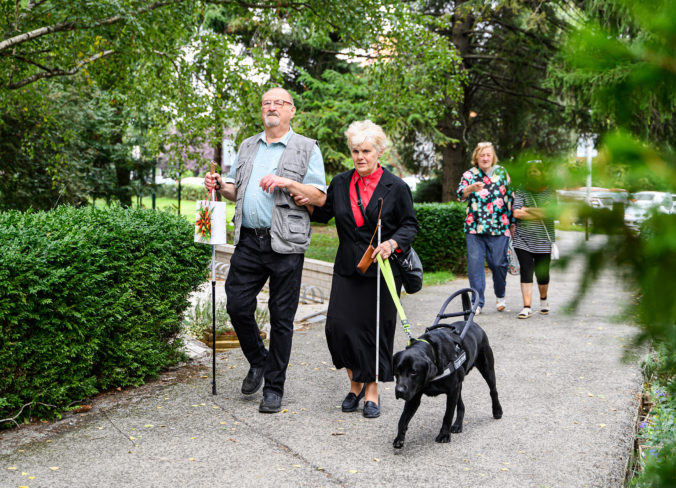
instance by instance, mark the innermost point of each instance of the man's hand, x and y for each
(212, 181)
(270, 182)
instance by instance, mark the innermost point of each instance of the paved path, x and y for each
(569, 412)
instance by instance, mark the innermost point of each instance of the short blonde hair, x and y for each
(477, 150)
(363, 131)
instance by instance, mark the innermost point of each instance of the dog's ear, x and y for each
(395, 362)
(432, 370)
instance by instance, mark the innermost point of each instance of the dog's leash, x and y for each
(386, 270)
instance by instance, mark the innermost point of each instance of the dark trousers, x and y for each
(538, 262)
(252, 263)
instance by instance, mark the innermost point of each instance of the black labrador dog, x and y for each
(417, 366)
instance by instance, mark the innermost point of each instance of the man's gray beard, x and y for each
(272, 122)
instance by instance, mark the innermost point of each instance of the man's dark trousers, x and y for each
(252, 263)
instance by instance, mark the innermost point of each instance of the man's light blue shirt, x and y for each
(257, 205)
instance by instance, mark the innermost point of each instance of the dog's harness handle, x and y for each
(468, 310)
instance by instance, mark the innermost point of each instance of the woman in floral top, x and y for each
(486, 187)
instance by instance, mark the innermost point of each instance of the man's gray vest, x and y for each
(290, 228)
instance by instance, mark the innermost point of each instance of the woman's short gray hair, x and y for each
(363, 131)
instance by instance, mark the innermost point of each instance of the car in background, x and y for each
(598, 197)
(642, 203)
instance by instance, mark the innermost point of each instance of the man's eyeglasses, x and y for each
(276, 103)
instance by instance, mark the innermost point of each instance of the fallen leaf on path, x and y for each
(54, 468)
(338, 433)
(12, 468)
(602, 425)
(353, 471)
(191, 459)
(82, 409)
(296, 465)
(148, 426)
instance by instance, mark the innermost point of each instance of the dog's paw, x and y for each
(398, 442)
(497, 412)
(456, 429)
(443, 438)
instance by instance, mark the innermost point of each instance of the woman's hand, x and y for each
(385, 249)
(474, 187)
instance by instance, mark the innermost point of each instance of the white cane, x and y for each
(213, 296)
(378, 310)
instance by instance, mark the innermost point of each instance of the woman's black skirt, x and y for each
(351, 327)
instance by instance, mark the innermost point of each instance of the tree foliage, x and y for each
(623, 69)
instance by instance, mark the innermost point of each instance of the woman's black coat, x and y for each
(398, 220)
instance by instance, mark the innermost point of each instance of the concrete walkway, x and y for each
(569, 412)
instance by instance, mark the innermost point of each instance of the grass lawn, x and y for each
(188, 207)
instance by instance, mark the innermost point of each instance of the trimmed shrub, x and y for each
(92, 299)
(440, 242)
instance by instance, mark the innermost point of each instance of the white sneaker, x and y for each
(500, 304)
(544, 307)
(478, 311)
(526, 313)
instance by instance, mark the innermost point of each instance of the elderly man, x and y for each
(271, 235)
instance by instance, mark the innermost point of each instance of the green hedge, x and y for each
(92, 299)
(440, 242)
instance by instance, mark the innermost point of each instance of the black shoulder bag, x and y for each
(409, 261)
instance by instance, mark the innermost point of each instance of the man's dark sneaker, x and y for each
(253, 381)
(271, 403)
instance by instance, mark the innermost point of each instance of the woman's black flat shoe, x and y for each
(351, 401)
(371, 410)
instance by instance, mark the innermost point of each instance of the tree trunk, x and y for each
(123, 189)
(453, 165)
(453, 155)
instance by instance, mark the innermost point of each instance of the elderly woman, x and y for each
(486, 188)
(352, 198)
(533, 236)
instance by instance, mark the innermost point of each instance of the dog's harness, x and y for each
(454, 365)
(469, 308)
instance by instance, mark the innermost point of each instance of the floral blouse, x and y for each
(489, 211)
